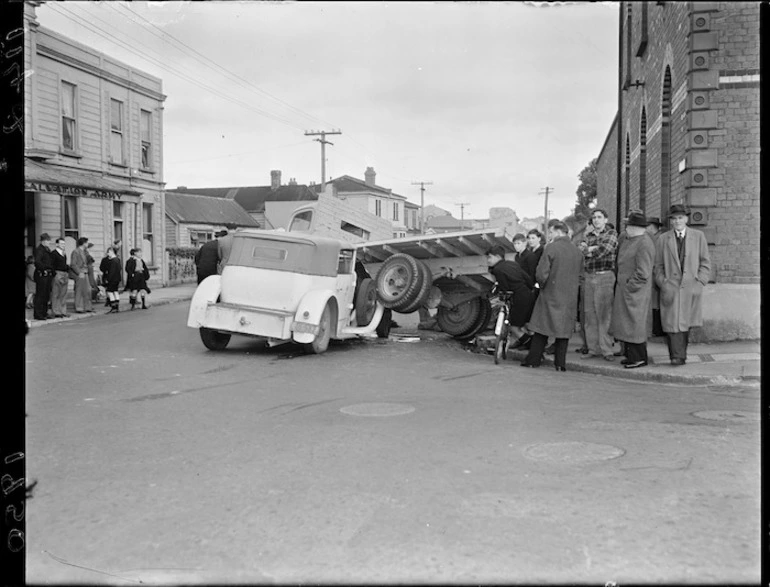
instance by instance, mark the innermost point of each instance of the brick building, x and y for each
(687, 132)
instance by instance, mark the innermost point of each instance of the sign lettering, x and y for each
(70, 190)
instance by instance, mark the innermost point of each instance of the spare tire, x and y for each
(398, 280)
(421, 296)
(459, 320)
(366, 301)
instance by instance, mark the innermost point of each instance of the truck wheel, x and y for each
(383, 328)
(321, 341)
(422, 295)
(213, 340)
(458, 320)
(481, 322)
(366, 301)
(398, 280)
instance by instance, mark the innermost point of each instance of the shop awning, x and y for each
(50, 178)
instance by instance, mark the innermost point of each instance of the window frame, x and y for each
(378, 208)
(120, 132)
(72, 232)
(145, 142)
(148, 235)
(395, 211)
(209, 234)
(73, 119)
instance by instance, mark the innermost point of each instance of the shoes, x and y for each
(393, 323)
(589, 356)
(525, 364)
(61, 315)
(625, 362)
(677, 362)
(520, 343)
(583, 350)
(80, 311)
(609, 358)
(635, 364)
(618, 354)
(559, 368)
(550, 349)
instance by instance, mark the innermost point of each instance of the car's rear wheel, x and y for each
(366, 302)
(321, 341)
(213, 340)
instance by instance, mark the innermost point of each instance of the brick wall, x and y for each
(711, 53)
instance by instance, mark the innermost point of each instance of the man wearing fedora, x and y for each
(653, 229)
(207, 257)
(631, 304)
(681, 271)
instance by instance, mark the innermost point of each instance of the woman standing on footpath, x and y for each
(137, 275)
(111, 276)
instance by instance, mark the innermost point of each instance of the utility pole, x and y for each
(324, 142)
(545, 216)
(422, 185)
(462, 213)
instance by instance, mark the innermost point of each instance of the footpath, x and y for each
(718, 363)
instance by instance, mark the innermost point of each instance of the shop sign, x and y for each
(69, 190)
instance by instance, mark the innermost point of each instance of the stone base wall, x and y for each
(730, 312)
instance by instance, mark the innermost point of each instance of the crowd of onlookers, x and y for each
(619, 287)
(49, 272)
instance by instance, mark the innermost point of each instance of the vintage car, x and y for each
(286, 287)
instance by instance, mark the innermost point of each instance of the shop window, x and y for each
(69, 127)
(148, 238)
(116, 132)
(146, 132)
(70, 217)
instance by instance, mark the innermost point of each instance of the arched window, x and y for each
(665, 145)
(627, 187)
(643, 162)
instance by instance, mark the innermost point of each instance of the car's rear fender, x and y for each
(309, 311)
(207, 292)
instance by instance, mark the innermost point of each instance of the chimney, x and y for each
(369, 176)
(275, 179)
(293, 181)
(181, 188)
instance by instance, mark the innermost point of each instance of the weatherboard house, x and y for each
(687, 132)
(93, 163)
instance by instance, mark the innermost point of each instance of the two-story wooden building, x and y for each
(93, 148)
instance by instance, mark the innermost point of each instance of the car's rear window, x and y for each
(295, 257)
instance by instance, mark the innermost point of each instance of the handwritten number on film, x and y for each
(10, 48)
(15, 540)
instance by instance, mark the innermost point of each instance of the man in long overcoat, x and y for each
(79, 267)
(43, 277)
(558, 273)
(631, 305)
(207, 258)
(682, 269)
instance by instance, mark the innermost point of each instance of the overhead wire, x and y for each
(112, 38)
(210, 63)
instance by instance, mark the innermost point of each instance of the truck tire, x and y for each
(398, 280)
(481, 322)
(321, 341)
(459, 320)
(366, 301)
(422, 295)
(383, 328)
(213, 340)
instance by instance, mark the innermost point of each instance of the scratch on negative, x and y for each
(64, 562)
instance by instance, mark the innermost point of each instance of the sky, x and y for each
(487, 103)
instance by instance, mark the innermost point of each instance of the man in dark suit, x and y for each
(682, 269)
(43, 277)
(207, 257)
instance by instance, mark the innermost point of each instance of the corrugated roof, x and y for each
(253, 198)
(206, 210)
(445, 222)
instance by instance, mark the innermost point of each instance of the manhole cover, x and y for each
(377, 409)
(572, 452)
(729, 415)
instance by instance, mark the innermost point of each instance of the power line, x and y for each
(545, 215)
(462, 213)
(324, 142)
(113, 39)
(214, 65)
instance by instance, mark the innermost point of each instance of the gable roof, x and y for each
(253, 198)
(206, 210)
(346, 183)
(445, 222)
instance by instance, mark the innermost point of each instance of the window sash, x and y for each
(147, 218)
(116, 115)
(70, 216)
(69, 126)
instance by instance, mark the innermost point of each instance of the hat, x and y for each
(654, 220)
(45, 237)
(220, 233)
(677, 209)
(90, 245)
(498, 250)
(636, 219)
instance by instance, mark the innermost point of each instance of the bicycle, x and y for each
(502, 326)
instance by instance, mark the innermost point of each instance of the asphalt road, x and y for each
(161, 462)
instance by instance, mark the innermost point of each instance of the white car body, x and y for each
(277, 285)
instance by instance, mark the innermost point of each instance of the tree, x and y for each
(586, 192)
